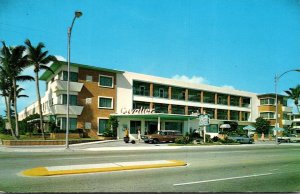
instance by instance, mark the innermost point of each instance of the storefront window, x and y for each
(212, 128)
(177, 126)
(135, 126)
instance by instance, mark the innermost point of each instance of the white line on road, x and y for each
(223, 179)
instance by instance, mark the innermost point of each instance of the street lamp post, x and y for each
(276, 99)
(77, 15)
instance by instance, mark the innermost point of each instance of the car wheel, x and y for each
(155, 141)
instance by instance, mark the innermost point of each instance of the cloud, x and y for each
(194, 79)
(228, 87)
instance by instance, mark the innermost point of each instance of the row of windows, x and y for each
(162, 91)
(104, 80)
(178, 109)
(271, 101)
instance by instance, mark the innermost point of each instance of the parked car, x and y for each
(289, 138)
(241, 139)
(162, 136)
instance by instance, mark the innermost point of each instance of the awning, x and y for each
(157, 115)
(249, 128)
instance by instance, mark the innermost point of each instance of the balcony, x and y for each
(59, 85)
(287, 122)
(62, 109)
(287, 109)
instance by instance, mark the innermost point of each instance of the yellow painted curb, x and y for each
(43, 171)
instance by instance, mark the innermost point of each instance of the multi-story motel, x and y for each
(296, 124)
(145, 102)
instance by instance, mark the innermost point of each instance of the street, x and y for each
(241, 168)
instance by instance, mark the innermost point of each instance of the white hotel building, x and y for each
(96, 93)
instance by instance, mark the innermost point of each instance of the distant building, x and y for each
(146, 102)
(267, 109)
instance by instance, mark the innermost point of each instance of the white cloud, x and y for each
(228, 87)
(194, 79)
(60, 58)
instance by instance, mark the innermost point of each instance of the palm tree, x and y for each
(5, 91)
(14, 64)
(39, 59)
(294, 93)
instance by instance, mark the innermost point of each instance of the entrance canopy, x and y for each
(157, 115)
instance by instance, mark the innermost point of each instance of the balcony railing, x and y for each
(62, 109)
(141, 92)
(59, 85)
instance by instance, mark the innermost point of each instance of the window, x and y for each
(102, 125)
(222, 99)
(268, 115)
(234, 101)
(73, 99)
(141, 88)
(234, 115)
(134, 126)
(213, 128)
(106, 81)
(89, 78)
(105, 102)
(177, 126)
(72, 123)
(194, 95)
(161, 92)
(222, 114)
(138, 104)
(73, 76)
(267, 101)
(208, 97)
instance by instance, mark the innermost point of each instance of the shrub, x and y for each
(215, 139)
(108, 133)
(226, 140)
(183, 140)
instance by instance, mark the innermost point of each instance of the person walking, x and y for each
(262, 136)
(139, 135)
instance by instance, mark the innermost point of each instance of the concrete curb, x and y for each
(104, 167)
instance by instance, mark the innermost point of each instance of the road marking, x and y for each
(103, 167)
(223, 179)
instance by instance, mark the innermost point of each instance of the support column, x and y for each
(216, 114)
(186, 110)
(241, 101)
(216, 98)
(151, 90)
(228, 114)
(186, 95)
(169, 109)
(201, 96)
(158, 124)
(170, 92)
(151, 105)
(241, 116)
(188, 126)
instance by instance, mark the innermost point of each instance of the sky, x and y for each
(241, 44)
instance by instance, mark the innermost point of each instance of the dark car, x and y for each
(241, 139)
(162, 136)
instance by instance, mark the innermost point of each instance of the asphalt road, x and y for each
(210, 169)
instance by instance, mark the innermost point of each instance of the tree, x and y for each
(262, 125)
(112, 125)
(39, 59)
(6, 84)
(294, 93)
(14, 62)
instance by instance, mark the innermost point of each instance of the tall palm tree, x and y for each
(5, 91)
(14, 65)
(294, 93)
(39, 59)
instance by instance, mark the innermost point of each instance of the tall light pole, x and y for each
(276, 99)
(77, 15)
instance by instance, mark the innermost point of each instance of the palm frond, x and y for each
(24, 78)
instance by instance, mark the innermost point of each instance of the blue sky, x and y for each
(234, 43)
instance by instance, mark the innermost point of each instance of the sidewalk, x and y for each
(115, 145)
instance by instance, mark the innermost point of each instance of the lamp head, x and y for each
(78, 14)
